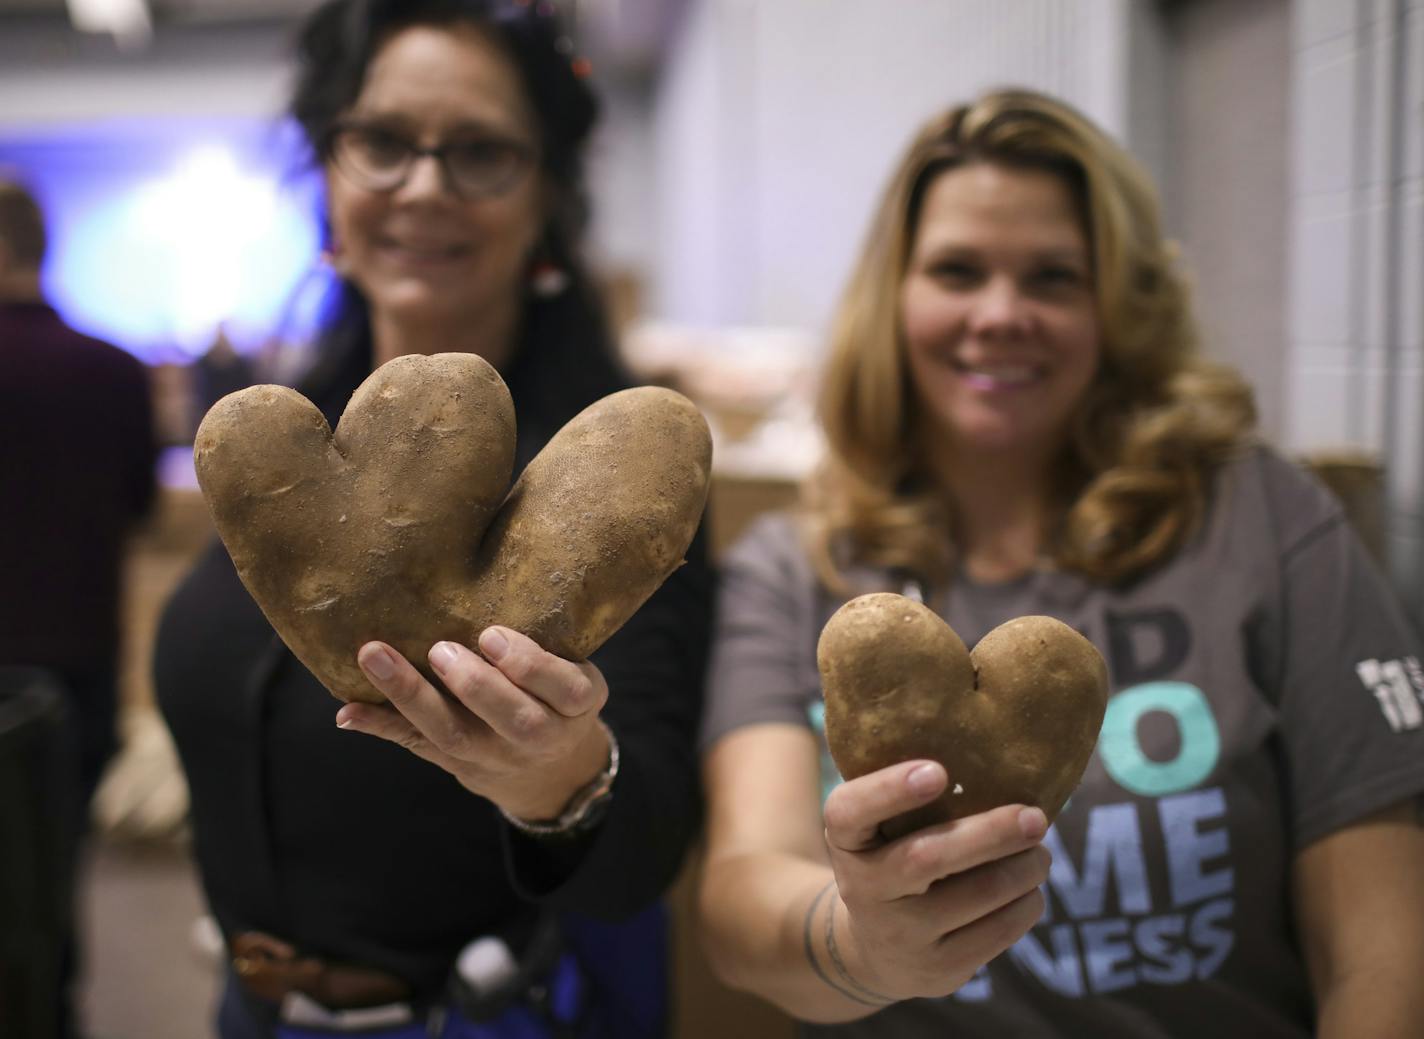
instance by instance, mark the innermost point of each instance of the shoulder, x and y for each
(1263, 485)
(41, 344)
(121, 361)
(82, 350)
(1279, 477)
(772, 541)
(768, 574)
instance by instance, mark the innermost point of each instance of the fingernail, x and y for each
(493, 644)
(378, 664)
(343, 719)
(925, 779)
(442, 655)
(1033, 824)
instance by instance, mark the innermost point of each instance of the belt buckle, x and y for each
(272, 970)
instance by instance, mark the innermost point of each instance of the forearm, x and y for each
(769, 930)
(1371, 1005)
(1360, 913)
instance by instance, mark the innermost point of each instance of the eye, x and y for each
(376, 148)
(1057, 278)
(955, 272)
(482, 155)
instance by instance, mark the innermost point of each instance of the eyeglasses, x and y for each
(381, 160)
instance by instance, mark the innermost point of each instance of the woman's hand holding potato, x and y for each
(520, 729)
(917, 916)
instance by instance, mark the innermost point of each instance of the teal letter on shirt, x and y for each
(1122, 755)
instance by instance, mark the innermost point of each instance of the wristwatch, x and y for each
(585, 809)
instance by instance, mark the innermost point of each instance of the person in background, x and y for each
(350, 855)
(77, 469)
(220, 370)
(1019, 423)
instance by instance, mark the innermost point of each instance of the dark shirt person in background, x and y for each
(219, 371)
(76, 474)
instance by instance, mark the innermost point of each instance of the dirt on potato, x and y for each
(401, 526)
(1013, 722)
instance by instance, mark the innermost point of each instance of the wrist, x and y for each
(850, 968)
(575, 806)
(830, 948)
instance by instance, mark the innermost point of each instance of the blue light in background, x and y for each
(162, 231)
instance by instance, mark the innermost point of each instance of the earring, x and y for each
(547, 280)
(331, 257)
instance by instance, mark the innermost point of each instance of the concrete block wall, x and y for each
(1355, 366)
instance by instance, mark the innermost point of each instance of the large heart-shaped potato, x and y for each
(402, 526)
(1014, 722)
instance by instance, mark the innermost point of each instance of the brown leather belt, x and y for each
(271, 969)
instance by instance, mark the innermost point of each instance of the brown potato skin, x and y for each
(397, 526)
(602, 507)
(1014, 722)
(1056, 720)
(885, 663)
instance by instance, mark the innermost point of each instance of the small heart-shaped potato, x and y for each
(401, 525)
(1014, 722)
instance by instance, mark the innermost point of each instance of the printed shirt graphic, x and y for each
(1398, 685)
(1265, 692)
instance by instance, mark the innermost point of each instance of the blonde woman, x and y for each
(1019, 423)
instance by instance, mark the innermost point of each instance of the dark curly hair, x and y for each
(569, 332)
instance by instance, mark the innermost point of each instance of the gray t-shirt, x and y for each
(1266, 690)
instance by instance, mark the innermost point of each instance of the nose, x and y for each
(1000, 309)
(425, 179)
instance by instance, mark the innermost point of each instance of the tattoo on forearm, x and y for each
(847, 986)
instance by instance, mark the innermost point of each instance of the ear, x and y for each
(331, 253)
(335, 260)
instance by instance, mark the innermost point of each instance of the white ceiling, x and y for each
(621, 35)
(221, 10)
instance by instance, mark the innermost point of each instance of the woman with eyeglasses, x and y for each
(360, 879)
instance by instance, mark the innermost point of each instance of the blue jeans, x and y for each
(240, 1017)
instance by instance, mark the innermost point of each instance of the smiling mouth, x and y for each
(997, 376)
(421, 253)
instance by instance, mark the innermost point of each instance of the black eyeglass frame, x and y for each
(527, 156)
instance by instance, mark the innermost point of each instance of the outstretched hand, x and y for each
(519, 728)
(919, 915)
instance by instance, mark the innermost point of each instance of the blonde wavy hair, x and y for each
(1158, 419)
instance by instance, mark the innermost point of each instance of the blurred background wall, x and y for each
(1355, 305)
(743, 143)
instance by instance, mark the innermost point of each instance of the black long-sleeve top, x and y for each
(76, 474)
(352, 848)
(355, 849)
